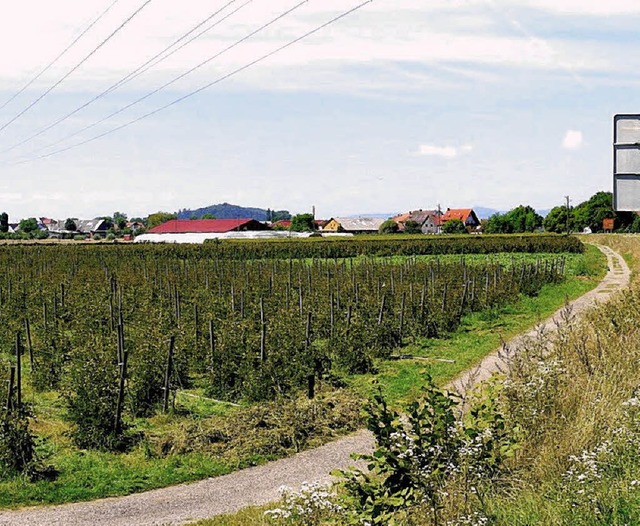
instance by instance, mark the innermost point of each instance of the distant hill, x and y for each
(485, 213)
(229, 211)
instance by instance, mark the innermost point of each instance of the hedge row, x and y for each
(391, 246)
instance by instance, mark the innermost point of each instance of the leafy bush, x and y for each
(420, 457)
(91, 395)
(17, 443)
(454, 226)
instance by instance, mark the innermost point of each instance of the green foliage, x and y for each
(28, 225)
(303, 223)
(91, 392)
(418, 245)
(592, 213)
(556, 220)
(208, 216)
(17, 443)
(280, 215)
(389, 227)
(120, 220)
(158, 218)
(4, 222)
(412, 227)
(454, 226)
(70, 225)
(519, 220)
(589, 214)
(418, 458)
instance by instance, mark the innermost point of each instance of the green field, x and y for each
(86, 292)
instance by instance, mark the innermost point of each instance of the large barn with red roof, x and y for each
(208, 226)
(200, 230)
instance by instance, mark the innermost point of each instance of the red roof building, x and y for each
(208, 226)
(466, 215)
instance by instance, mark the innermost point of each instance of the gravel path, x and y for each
(617, 278)
(259, 485)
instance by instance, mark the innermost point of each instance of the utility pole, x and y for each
(567, 198)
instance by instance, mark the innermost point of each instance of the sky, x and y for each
(402, 104)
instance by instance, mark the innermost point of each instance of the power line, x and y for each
(67, 75)
(176, 79)
(152, 62)
(64, 52)
(205, 87)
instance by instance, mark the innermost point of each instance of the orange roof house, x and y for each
(466, 215)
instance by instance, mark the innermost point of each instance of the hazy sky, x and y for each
(404, 104)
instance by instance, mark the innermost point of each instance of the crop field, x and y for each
(130, 367)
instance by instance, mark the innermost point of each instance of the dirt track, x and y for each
(259, 485)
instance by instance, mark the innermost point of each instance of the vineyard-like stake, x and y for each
(444, 298)
(263, 332)
(12, 379)
(381, 313)
(120, 343)
(331, 314)
(167, 374)
(402, 306)
(307, 338)
(27, 328)
(196, 317)
(18, 370)
(212, 344)
(311, 392)
(120, 403)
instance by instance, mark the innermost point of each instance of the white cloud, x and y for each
(572, 140)
(588, 7)
(448, 152)
(386, 31)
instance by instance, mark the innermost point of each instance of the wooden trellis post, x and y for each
(167, 375)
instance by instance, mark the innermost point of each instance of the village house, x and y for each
(466, 215)
(351, 225)
(87, 227)
(429, 221)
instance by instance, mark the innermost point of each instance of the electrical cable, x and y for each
(176, 79)
(204, 87)
(64, 52)
(67, 75)
(152, 62)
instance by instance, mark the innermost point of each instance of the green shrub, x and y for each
(17, 443)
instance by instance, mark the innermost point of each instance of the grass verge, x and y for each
(479, 334)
